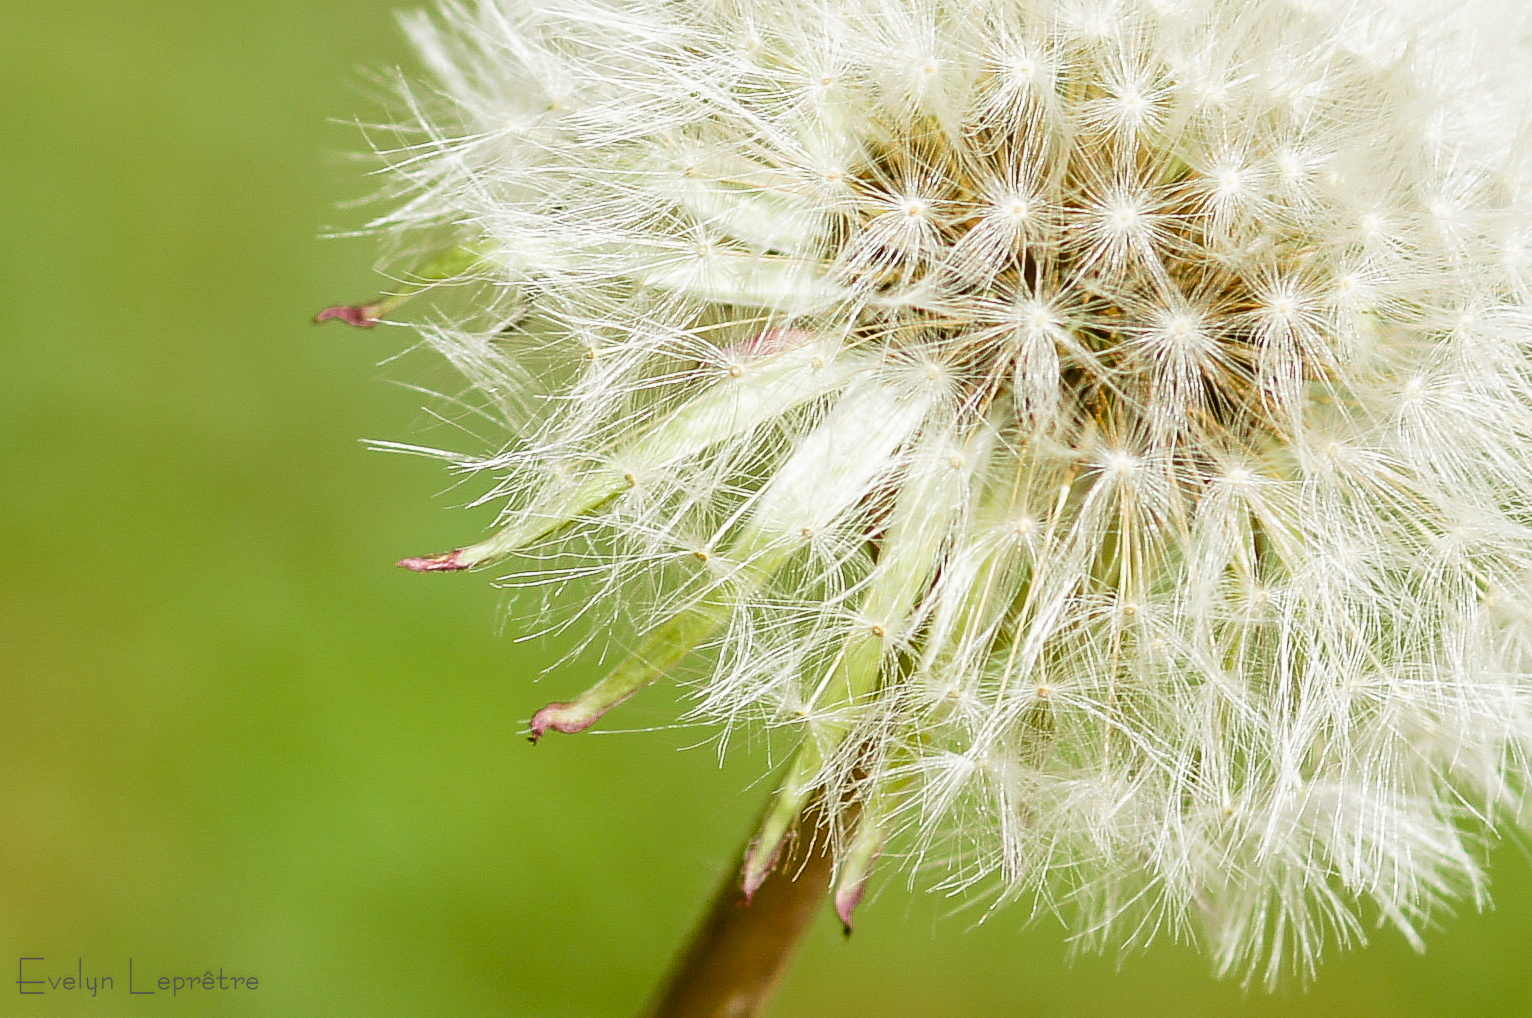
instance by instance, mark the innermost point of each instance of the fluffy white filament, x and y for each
(1102, 431)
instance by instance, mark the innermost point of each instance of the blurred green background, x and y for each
(233, 736)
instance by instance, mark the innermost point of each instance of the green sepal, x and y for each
(660, 651)
(855, 864)
(449, 263)
(781, 816)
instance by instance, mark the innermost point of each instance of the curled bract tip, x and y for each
(363, 316)
(446, 562)
(760, 860)
(861, 854)
(569, 718)
(654, 656)
(846, 901)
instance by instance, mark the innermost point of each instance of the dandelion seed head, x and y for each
(1098, 432)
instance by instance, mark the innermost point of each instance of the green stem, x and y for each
(740, 952)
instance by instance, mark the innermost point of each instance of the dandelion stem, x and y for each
(739, 952)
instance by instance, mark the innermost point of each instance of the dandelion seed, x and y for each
(1098, 434)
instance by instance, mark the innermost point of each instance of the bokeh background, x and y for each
(233, 736)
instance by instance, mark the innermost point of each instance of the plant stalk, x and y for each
(740, 951)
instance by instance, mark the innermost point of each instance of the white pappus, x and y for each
(1099, 432)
